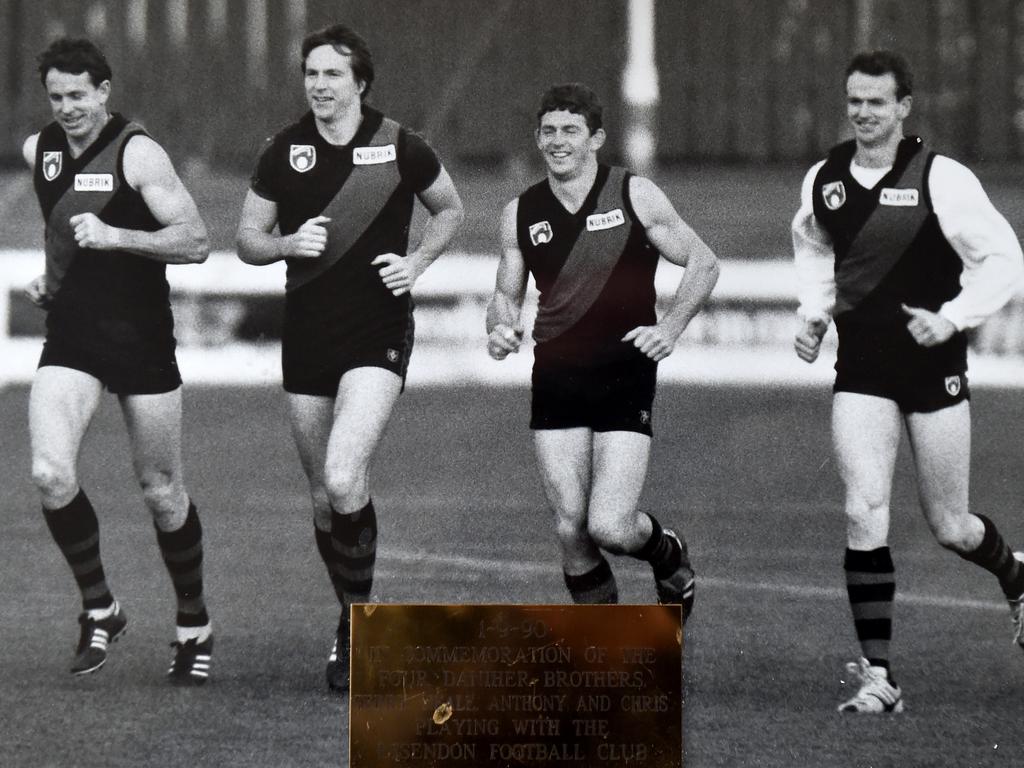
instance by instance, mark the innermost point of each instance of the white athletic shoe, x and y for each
(876, 694)
(1017, 612)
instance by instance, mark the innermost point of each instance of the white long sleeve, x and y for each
(982, 238)
(813, 256)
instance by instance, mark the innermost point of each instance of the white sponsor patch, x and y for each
(540, 233)
(374, 155)
(94, 182)
(599, 221)
(302, 157)
(892, 196)
(52, 163)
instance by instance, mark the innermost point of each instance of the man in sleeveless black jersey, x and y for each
(902, 248)
(339, 185)
(116, 214)
(591, 235)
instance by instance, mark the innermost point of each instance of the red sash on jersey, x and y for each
(86, 191)
(884, 238)
(588, 267)
(359, 201)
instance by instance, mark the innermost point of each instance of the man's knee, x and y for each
(344, 483)
(571, 530)
(956, 534)
(56, 481)
(162, 492)
(611, 535)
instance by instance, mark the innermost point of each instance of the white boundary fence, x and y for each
(743, 337)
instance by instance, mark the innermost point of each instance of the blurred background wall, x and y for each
(739, 79)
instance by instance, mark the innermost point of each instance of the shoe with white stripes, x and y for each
(876, 694)
(337, 671)
(95, 638)
(1017, 612)
(679, 587)
(191, 662)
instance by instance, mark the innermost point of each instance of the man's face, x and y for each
(78, 106)
(331, 87)
(566, 143)
(873, 109)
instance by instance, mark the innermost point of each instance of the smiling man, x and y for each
(339, 187)
(902, 248)
(591, 235)
(116, 214)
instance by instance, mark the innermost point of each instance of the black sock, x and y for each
(182, 552)
(76, 531)
(661, 551)
(871, 587)
(325, 546)
(596, 586)
(354, 539)
(995, 556)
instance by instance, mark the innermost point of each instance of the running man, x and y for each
(339, 186)
(116, 214)
(903, 249)
(591, 235)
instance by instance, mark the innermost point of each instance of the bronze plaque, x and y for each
(516, 685)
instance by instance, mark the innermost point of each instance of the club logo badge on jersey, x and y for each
(835, 195)
(598, 221)
(302, 157)
(52, 164)
(374, 155)
(392, 355)
(94, 182)
(902, 197)
(541, 233)
(645, 417)
(953, 385)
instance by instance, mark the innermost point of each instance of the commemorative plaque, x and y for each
(494, 686)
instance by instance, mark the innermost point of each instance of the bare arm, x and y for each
(504, 330)
(28, 150)
(442, 200)
(258, 244)
(181, 238)
(35, 290)
(679, 244)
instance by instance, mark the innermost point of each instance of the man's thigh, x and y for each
(61, 405)
(564, 459)
(154, 433)
(941, 442)
(866, 436)
(620, 468)
(366, 398)
(311, 417)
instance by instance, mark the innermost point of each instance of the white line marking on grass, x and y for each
(523, 568)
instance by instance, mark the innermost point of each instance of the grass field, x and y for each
(747, 473)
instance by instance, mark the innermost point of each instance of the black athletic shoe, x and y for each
(96, 637)
(191, 662)
(678, 588)
(337, 671)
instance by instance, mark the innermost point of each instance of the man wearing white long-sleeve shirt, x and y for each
(903, 249)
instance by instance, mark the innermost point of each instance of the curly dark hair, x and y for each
(74, 56)
(572, 97)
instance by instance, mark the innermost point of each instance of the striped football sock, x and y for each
(995, 556)
(76, 531)
(661, 551)
(354, 537)
(871, 586)
(182, 552)
(596, 586)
